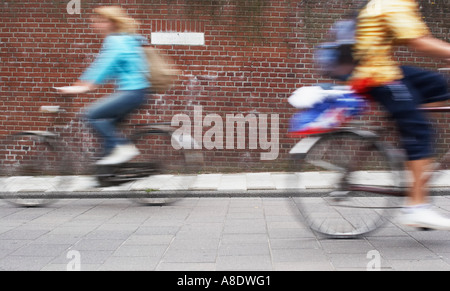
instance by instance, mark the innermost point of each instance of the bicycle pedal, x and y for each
(425, 229)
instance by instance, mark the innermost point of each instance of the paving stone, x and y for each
(207, 182)
(129, 264)
(258, 181)
(190, 256)
(167, 266)
(244, 263)
(179, 183)
(202, 234)
(419, 265)
(233, 183)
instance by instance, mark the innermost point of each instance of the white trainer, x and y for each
(119, 155)
(423, 216)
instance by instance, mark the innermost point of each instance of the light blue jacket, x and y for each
(121, 58)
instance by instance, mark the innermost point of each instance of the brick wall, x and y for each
(256, 53)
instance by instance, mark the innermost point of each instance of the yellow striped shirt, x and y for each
(381, 24)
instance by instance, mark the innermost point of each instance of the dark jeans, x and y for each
(402, 99)
(106, 113)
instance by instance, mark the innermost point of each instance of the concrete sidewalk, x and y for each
(206, 233)
(202, 234)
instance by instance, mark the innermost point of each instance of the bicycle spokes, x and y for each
(353, 171)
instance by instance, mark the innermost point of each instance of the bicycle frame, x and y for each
(436, 109)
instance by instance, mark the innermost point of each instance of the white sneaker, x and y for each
(423, 216)
(119, 155)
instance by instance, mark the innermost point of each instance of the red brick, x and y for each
(252, 61)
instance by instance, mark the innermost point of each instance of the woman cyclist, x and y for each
(122, 59)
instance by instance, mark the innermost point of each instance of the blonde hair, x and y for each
(120, 18)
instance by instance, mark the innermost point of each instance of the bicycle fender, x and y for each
(307, 143)
(362, 133)
(303, 147)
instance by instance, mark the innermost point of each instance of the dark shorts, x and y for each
(402, 100)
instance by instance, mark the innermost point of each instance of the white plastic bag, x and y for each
(307, 97)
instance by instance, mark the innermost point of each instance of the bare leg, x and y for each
(418, 193)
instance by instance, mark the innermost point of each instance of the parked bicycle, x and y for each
(36, 166)
(364, 179)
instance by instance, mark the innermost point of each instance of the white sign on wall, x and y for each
(178, 38)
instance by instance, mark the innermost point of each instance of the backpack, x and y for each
(161, 74)
(335, 58)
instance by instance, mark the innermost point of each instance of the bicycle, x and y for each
(37, 166)
(366, 179)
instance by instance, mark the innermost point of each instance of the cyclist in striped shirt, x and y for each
(382, 24)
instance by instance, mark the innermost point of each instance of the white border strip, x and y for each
(178, 38)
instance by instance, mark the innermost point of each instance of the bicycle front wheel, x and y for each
(351, 183)
(30, 167)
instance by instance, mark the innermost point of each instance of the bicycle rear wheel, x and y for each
(171, 169)
(359, 184)
(30, 165)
